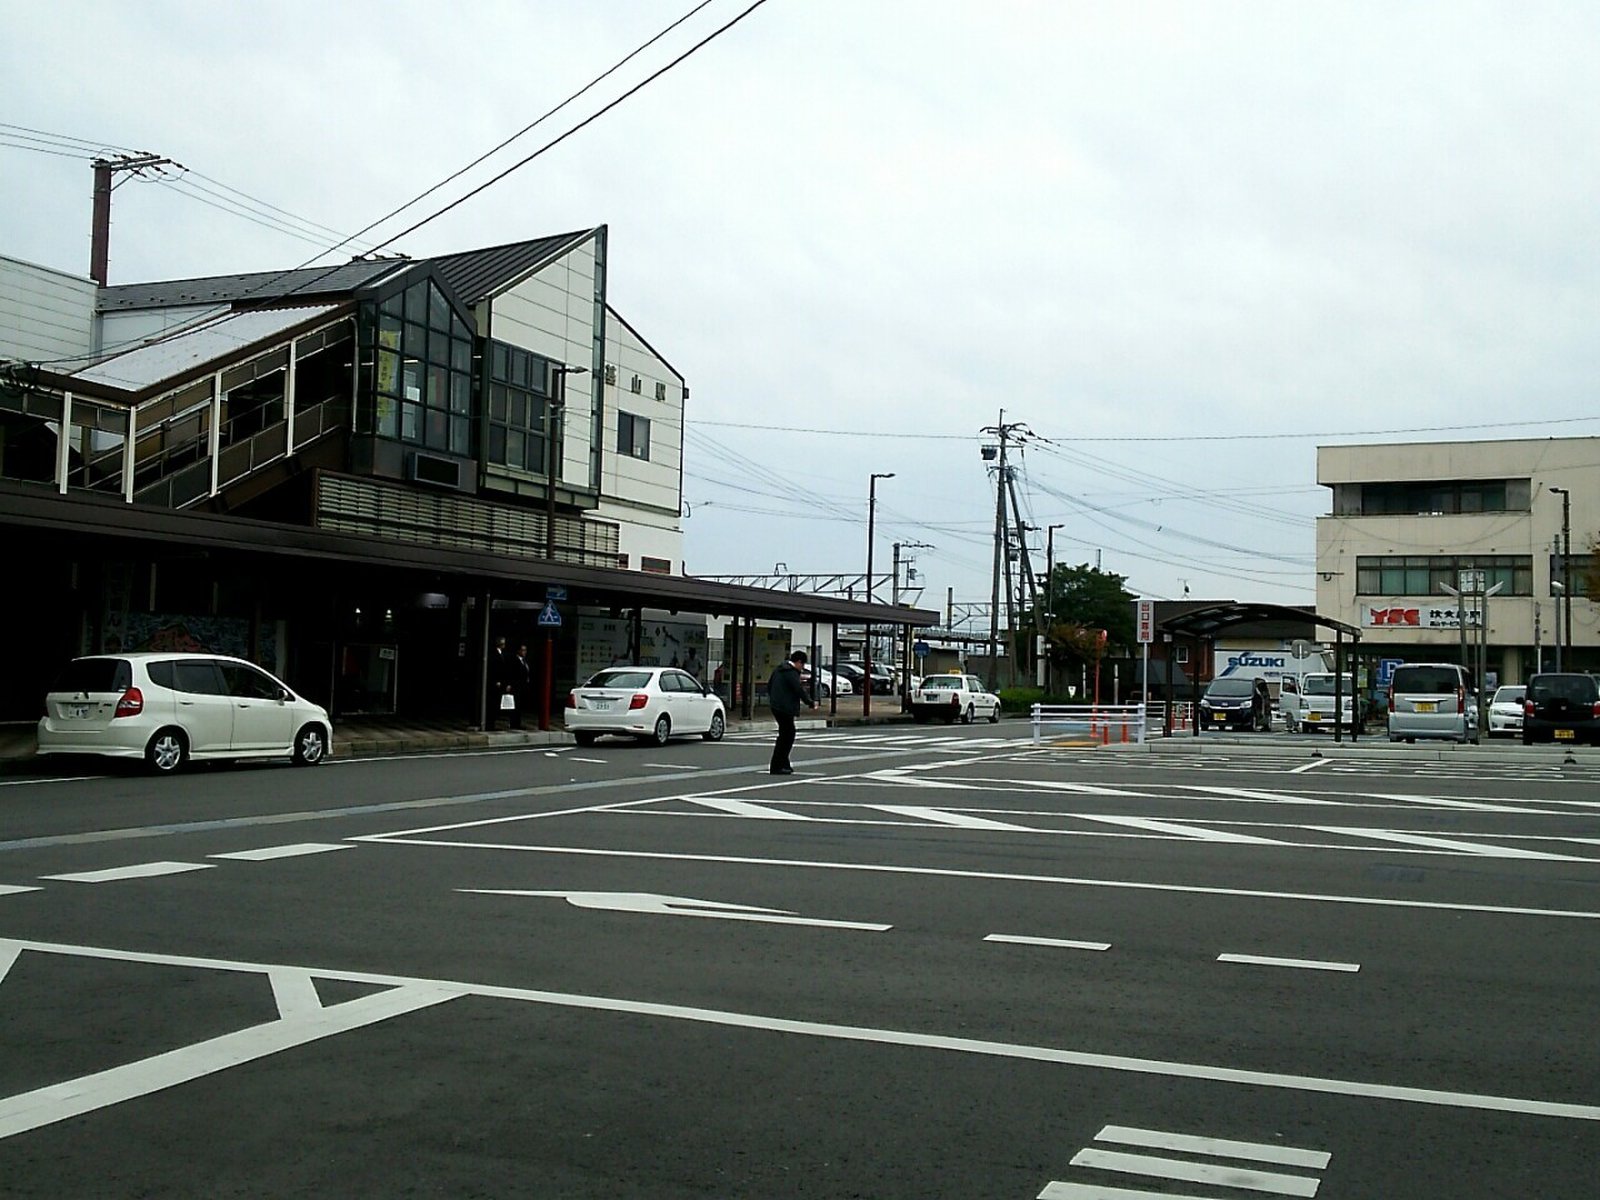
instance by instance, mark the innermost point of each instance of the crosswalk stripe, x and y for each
(1434, 843)
(1157, 1139)
(1249, 794)
(1057, 1190)
(1191, 1172)
(744, 808)
(945, 817)
(1189, 831)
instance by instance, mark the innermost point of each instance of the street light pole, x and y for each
(1049, 601)
(866, 652)
(554, 450)
(1566, 573)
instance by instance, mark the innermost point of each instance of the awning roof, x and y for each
(1216, 619)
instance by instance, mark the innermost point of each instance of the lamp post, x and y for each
(553, 451)
(866, 653)
(1049, 600)
(1566, 574)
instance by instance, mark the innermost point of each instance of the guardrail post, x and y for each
(1036, 724)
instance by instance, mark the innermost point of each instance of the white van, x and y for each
(1307, 702)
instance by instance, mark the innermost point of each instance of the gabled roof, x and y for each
(305, 284)
(476, 275)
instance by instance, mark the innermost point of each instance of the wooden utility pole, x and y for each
(100, 230)
(1002, 536)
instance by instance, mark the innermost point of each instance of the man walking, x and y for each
(786, 692)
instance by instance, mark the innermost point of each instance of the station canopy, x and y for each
(1217, 619)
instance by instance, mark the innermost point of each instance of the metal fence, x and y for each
(1091, 724)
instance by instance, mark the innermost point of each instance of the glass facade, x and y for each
(519, 409)
(1428, 574)
(417, 371)
(1408, 499)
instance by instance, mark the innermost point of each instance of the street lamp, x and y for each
(553, 451)
(1566, 573)
(866, 653)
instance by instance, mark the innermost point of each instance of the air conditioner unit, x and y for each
(441, 472)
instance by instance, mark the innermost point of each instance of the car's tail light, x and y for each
(131, 704)
(1597, 710)
(572, 700)
(1527, 708)
(1391, 697)
(640, 699)
(1461, 701)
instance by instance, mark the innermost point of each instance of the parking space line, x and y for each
(1305, 964)
(1221, 1175)
(136, 871)
(267, 853)
(1017, 939)
(7, 889)
(1156, 1139)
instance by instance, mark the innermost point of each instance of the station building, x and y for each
(1408, 519)
(357, 476)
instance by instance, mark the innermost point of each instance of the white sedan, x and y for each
(653, 704)
(954, 698)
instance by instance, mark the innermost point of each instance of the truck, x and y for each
(1306, 701)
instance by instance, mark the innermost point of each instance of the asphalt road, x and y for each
(934, 963)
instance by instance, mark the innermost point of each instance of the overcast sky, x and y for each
(860, 228)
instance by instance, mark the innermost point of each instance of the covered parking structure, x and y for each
(1201, 627)
(82, 562)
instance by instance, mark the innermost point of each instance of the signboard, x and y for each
(1271, 665)
(1416, 615)
(1386, 668)
(554, 592)
(549, 618)
(921, 649)
(604, 642)
(1147, 622)
(1470, 582)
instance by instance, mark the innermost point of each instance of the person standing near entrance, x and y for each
(521, 684)
(497, 679)
(786, 692)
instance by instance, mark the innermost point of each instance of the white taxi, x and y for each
(953, 698)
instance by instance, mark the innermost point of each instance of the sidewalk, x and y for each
(380, 737)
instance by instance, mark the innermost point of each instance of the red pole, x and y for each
(549, 680)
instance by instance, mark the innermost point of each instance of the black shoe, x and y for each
(782, 770)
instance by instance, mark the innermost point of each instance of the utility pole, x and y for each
(1566, 573)
(1002, 557)
(1029, 578)
(100, 229)
(1050, 596)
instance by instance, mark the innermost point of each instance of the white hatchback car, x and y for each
(650, 703)
(953, 698)
(170, 708)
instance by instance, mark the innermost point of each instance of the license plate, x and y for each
(1313, 718)
(1566, 734)
(77, 711)
(599, 704)
(1425, 706)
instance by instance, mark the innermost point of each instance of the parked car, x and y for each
(828, 683)
(1307, 703)
(169, 709)
(882, 683)
(1505, 710)
(953, 698)
(1431, 700)
(653, 704)
(1234, 702)
(1561, 707)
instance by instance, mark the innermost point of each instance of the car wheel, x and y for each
(663, 730)
(585, 737)
(966, 717)
(167, 751)
(310, 746)
(718, 726)
(994, 715)
(1291, 724)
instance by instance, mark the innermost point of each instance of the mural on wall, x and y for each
(127, 632)
(604, 642)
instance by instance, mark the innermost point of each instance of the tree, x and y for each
(1082, 601)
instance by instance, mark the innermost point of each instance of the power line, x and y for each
(82, 155)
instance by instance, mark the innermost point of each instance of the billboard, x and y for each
(1412, 614)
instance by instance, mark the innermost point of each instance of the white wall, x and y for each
(643, 494)
(44, 314)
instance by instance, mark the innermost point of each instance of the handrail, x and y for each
(1097, 721)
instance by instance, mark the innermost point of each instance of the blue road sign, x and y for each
(549, 618)
(1386, 668)
(921, 649)
(554, 591)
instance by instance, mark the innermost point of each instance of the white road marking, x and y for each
(596, 761)
(420, 992)
(944, 817)
(1017, 939)
(1308, 964)
(1192, 1172)
(7, 889)
(744, 808)
(137, 871)
(680, 906)
(1156, 1139)
(58, 1102)
(672, 766)
(1250, 794)
(1058, 1190)
(52, 779)
(1435, 843)
(266, 854)
(294, 992)
(9, 953)
(1309, 766)
(1005, 876)
(1194, 832)
(1443, 802)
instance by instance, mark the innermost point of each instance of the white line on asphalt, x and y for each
(1250, 794)
(667, 766)
(1017, 939)
(1309, 766)
(428, 991)
(1194, 832)
(742, 808)
(942, 817)
(1476, 805)
(680, 906)
(1157, 1139)
(52, 779)
(295, 993)
(1004, 876)
(268, 853)
(1307, 964)
(596, 761)
(7, 889)
(1447, 844)
(1192, 1172)
(9, 953)
(137, 871)
(1059, 1190)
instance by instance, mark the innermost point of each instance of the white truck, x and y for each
(1306, 701)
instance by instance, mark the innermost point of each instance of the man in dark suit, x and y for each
(786, 692)
(497, 679)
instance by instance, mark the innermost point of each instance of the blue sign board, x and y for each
(1386, 668)
(549, 618)
(553, 592)
(921, 649)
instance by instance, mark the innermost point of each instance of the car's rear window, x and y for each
(619, 679)
(95, 675)
(1574, 689)
(1231, 687)
(1322, 685)
(1425, 681)
(941, 683)
(1508, 695)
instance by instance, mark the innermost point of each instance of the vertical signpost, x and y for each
(549, 621)
(1147, 634)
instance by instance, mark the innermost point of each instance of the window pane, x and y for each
(497, 402)
(461, 356)
(438, 308)
(411, 380)
(438, 428)
(458, 326)
(388, 417)
(460, 436)
(1367, 581)
(388, 372)
(438, 348)
(460, 393)
(416, 341)
(1416, 582)
(514, 449)
(411, 422)
(392, 306)
(536, 453)
(389, 332)
(417, 303)
(439, 387)
(497, 443)
(500, 359)
(518, 412)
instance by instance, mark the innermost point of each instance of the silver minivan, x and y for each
(1430, 700)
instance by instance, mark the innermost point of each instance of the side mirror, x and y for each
(284, 695)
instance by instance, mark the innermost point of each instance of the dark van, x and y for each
(1561, 707)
